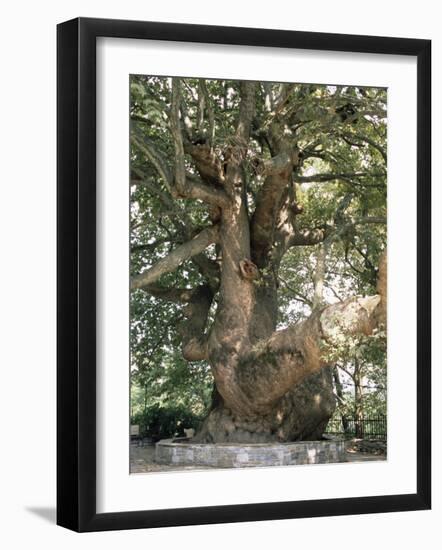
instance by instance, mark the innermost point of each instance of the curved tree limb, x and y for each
(182, 253)
(176, 295)
(320, 178)
(292, 354)
(209, 269)
(207, 162)
(237, 292)
(178, 184)
(198, 190)
(276, 190)
(183, 186)
(264, 218)
(279, 163)
(310, 237)
(192, 330)
(246, 110)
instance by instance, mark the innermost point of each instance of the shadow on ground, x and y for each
(46, 513)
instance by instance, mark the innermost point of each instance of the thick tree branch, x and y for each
(238, 292)
(236, 153)
(275, 366)
(263, 223)
(370, 219)
(192, 330)
(310, 237)
(179, 185)
(198, 190)
(292, 354)
(184, 228)
(320, 178)
(177, 295)
(279, 163)
(184, 187)
(276, 190)
(246, 111)
(182, 253)
(209, 166)
(152, 246)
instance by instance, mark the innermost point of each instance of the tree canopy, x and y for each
(307, 166)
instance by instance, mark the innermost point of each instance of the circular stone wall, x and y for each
(227, 455)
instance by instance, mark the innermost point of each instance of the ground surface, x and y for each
(142, 459)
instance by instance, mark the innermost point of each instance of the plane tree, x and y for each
(258, 243)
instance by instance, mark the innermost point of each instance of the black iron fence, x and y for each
(365, 428)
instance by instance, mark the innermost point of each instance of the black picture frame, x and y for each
(76, 274)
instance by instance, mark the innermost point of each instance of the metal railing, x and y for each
(374, 427)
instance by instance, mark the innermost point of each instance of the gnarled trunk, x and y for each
(276, 385)
(301, 414)
(271, 385)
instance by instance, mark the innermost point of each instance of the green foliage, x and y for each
(165, 422)
(363, 377)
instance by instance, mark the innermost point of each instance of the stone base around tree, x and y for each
(226, 455)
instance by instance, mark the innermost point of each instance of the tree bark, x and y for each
(280, 388)
(301, 414)
(178, 256)
(271, 385)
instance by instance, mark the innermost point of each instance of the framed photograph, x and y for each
(229, 203)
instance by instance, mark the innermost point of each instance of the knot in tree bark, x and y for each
(248, 270)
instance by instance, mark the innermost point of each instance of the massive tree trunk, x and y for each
(279, 388)
(271, 385)
(301, 414)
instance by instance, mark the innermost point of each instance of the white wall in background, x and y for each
(27, 288)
